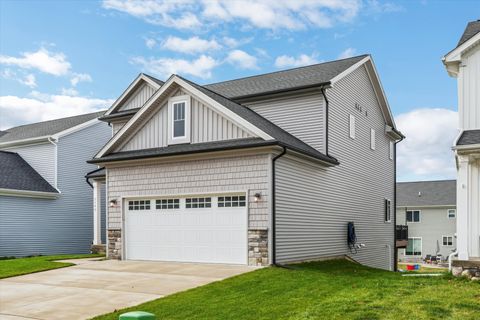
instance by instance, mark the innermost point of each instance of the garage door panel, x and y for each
(215, 235)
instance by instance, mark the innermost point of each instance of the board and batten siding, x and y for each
(434, 224)
(116, 126)
(314, 203)
(31, 226)
(302, 115)
(206, 125)
(41, 157)
(138, 97)
(213, 175)
(469, 90)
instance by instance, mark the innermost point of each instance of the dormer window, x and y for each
(179, 120)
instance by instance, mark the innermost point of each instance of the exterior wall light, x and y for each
(257, 196)
(112, 203)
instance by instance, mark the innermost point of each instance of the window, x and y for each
(139, 205)
(352, 127)
(413, 216)
(388, 210)
(231, 201)
(372, 139)
(447, 240)
(179, 119)
(414, 247)
(193, 203)
(452, 213)
(163, 204)
(391, 150)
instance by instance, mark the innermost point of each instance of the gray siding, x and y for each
(41, 157)
(229, 174)
(434, 224)
(314, 204)
(207, 125)
(116, 126)
(138, 97)
(302, 115)
(38, 226)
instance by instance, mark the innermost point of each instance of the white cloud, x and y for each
(241, 59)
(347, 53)
(80, 77)
(266, 14)
(40, 107)
(190, 45)
(150, 43)
(43, 60)
(285, 61)
(69, 92)
(426, 152)
(29, 81)
(164, 67)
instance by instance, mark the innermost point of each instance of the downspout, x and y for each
(450, 258)
(52, 141)
(395, 252)
(322, 90)
(274, 222)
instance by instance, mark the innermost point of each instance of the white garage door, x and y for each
(211, 229)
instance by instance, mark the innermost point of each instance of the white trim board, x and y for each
(28, 193)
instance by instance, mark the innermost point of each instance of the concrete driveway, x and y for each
(92, 288)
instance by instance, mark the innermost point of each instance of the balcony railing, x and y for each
(401, 236)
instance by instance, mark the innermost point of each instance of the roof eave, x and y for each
(28, 193)
(27, 141)
(325, 85)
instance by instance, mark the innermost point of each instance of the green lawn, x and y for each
(322, 290)
(17, 267)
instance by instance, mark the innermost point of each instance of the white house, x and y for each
(463, 63)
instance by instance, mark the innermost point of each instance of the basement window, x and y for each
(179, 120)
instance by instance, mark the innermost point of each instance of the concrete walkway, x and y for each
(92, 288)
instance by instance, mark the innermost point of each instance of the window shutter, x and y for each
(352, 127)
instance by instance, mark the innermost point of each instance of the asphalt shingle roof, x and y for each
(469, 137)
(46, 128)
(17, 174)
(290, 79)
(427, 193)
(473, 27)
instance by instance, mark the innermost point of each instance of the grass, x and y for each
(21, 266)
(335, 289)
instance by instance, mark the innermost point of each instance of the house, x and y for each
(428, 208)
(463, 63)
(45, 202)
(268, 169)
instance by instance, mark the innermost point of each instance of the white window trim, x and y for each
(446, 245)
(419, 216)
(390, 205)
(187, 137)
(421, 247)
(372, 139)
(352, 126)
(448, 213)
(391, 146)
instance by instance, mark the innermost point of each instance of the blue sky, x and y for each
(59, 58)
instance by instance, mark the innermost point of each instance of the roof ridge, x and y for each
(45, 121)
(278, 71)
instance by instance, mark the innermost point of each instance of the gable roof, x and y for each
(427, 193)
(46, 128)
(469, 137)
(473, 27)
(17, 174)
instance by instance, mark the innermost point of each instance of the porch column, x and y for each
(97, 209)
(462, 207)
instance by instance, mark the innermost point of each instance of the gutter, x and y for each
(322, 90)
(274, 222)
(29, 193)
(268, 93)
(395, 252)
(24, 141)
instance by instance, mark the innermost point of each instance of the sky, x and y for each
(62, 58)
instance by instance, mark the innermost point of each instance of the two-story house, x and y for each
(428, 208)
(268, 169)
(45, 202)
(463, 63)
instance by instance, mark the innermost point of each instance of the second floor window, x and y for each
(179, 120)
(413, 216)
(388, 210)
(452, 213)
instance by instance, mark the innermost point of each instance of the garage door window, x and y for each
(163, 204)
(231, 201)
(139, 205)
(194, 203)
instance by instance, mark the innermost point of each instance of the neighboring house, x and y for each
(259, 170)
(463, 63)
(428, 209)
(45, 202)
